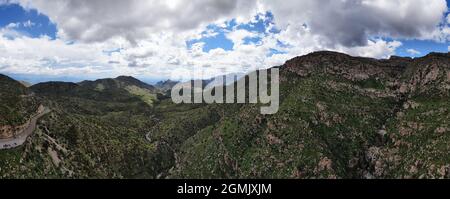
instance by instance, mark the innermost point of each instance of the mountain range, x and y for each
(340, 117)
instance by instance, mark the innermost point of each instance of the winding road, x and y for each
(20, 138)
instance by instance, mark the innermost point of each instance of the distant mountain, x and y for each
(213, 82)
(122, 88)
(54, 88)
(166, 85)
(120, 82)
(339, 117)
(133, 86)
(117, 83)
(26, 84)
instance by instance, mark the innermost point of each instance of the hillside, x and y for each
(89, 133)
(17, 105)
(165, 85)
(123, 85)
(339, 117)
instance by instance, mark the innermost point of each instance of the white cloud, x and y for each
(303, 41)
(158, 31)
(375, 48)
(351, 23)
(28, 24)
(12, 25)
(100, 20)
(238, 36)
(9, 31)
(413, 52)
(53, 57)
(209, 33)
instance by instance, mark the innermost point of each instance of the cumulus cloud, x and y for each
(27, 55)
(413, 52)
(138, 37)
(238, 36)
(353, 22)
(377, 48)
(301, 40)
(99, 20)
(349, 22)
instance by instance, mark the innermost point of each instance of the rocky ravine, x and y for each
(413, 142)
(340, 117)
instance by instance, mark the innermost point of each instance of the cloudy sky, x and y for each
(154, 39)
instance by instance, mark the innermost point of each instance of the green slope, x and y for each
(339, 117)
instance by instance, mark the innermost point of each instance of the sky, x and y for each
(73, 40)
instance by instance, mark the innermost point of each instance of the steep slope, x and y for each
(339, 117)
(88, 134)
(418, 136)
(332, 106)
(17, 105)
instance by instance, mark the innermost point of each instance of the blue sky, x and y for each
(259, 25)
(39, 24)
(223, 40)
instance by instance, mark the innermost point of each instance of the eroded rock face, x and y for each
(10, 131)
(352, 68)
(404, 75)
(421, 88)
(429, 74)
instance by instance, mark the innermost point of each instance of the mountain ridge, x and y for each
(339, 117)
(323, 53)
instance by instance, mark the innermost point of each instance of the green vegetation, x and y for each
(16, 103)
(314, 124)
(144, 94)
(343, 118)
(371, 83)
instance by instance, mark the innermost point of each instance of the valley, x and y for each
(340, 117)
